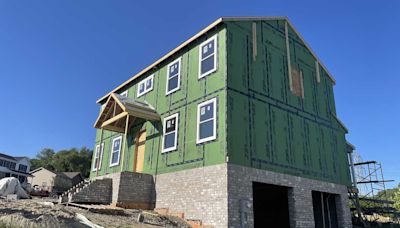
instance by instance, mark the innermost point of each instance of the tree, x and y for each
(71, 160)
(45, 154)
(43, 159)
(396, 199)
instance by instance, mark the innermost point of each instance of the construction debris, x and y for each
(40, 212)
(10, 186)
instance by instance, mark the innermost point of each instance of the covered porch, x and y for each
(119, 114)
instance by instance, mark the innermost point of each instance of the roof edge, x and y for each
(166, 56)
(340, 122)
(312, 51)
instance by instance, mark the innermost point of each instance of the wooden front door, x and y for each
(139, 157)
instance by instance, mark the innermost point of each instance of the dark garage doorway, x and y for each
(324, 206)
(270, 206)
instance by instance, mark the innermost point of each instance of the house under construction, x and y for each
(235, 127)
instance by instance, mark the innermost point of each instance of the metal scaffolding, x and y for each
(369, 196)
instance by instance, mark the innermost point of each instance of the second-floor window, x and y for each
(145, 86)
(115, 151)
(207, 121)
(7, 164)
(170, 130)
(173, 76)
(22, 168)
(208, 57)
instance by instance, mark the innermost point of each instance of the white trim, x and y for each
(214, 38)
(317, 71)
(254, 40)
(214, 136)
(119, 151)
(144, 81)
(176, 116)
(125, 93)
(302, 84)
(98, 156)
(288, 57)
(179, 77)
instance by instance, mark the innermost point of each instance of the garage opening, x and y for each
(324, 206)
(270, 205)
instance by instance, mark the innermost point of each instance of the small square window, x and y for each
(170, 133)
(206, 121)
(145, 86)
(208, 57)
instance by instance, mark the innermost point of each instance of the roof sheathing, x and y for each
(204, 31)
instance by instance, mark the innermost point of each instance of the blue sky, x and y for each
(58, 57)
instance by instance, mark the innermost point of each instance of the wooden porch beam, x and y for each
(113, 119)
(113, 128)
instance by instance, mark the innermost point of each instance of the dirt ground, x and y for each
(40, 212)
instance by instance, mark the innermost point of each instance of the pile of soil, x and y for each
(32, 213)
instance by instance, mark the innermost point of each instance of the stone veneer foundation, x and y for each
(222, 195)
(131, 190)
(214, 194)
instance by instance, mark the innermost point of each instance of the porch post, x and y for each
(125, 143)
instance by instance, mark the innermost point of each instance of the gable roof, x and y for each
(68, 175)
(117, 109)
(19, 158)
(203, 32)
(14, 158)
(71, 175)
(7, 156)
(40, 168)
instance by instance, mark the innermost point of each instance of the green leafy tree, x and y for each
(43, 159)
(396, 199)
(71, 160)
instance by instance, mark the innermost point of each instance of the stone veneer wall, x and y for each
(240, 180)
(132, 190)
(201, 193)
(214, 194)
(98, 191)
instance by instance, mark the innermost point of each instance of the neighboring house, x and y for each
(17, 167)
(237, 127)
(75, 177)
(52, 181)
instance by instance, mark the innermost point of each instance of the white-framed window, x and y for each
(207, 121)
(145, 86)
(98, 156)
(170, 133)
(125, 93)
(173, 76)
(208, 57)
(115, 151)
